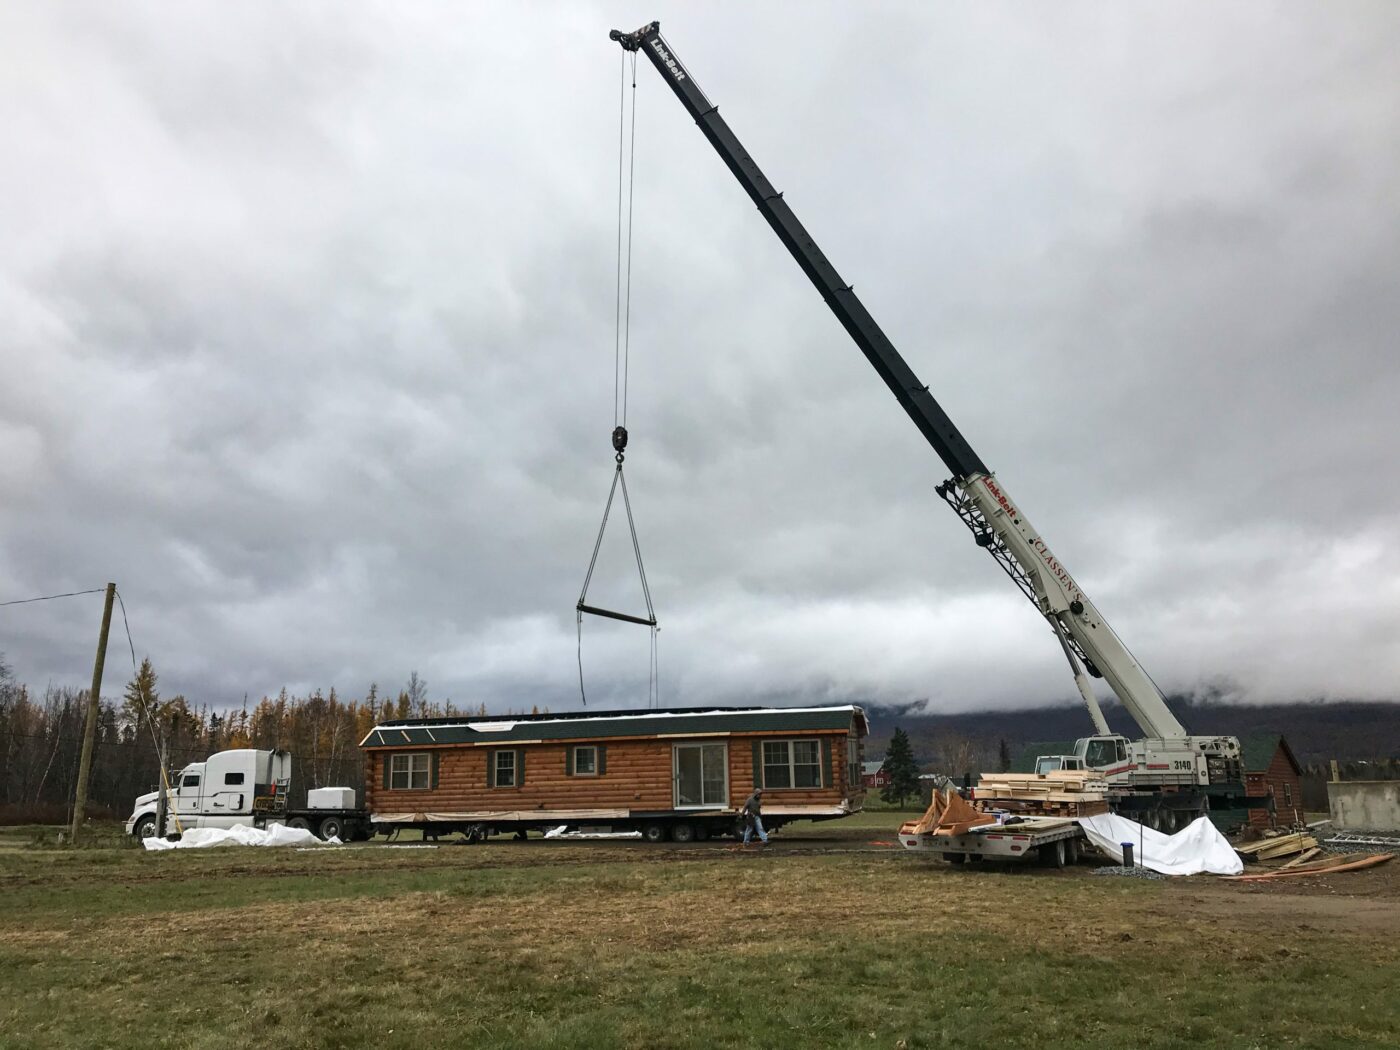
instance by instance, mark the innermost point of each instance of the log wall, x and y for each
(638, 776)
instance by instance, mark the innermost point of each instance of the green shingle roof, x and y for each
(428, 732)
(1257, 751)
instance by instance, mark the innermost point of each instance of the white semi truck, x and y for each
(246, 786)
(1167, 778)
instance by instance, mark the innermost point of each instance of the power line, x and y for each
(51, 597)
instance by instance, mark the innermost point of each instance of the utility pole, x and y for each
(94, 708)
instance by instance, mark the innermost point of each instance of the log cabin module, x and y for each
(680, 774)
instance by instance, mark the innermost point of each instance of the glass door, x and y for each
(701, 775)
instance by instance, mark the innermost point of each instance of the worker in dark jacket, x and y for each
(753, 805)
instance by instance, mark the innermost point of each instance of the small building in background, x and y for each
(874, 775)
(1271, 770)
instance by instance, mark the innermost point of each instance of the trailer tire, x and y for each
(145, 828)
(701, 833)
(299, 823)
(955, 858)
(332, 827)
(1052, 854)
(1072, 851)
(654, 832)
(682, 832)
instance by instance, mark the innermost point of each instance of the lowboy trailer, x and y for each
(1053, 841)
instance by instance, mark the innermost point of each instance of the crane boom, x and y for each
(982, 502)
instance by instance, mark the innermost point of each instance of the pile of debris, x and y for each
(1328, 864)
(1311, 855)
(1062, 793)
(1275, 846)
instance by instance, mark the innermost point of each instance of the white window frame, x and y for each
(496, 769)
(590, 772)
(792, 765)
(409, 770)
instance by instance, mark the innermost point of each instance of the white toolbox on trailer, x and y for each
(330, 798)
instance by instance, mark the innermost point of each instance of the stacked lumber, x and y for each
(1277, 846)
(1063, 793)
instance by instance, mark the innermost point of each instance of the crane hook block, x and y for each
(619, 439)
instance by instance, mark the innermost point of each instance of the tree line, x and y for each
(41, 738)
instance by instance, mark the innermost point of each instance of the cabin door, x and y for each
(701, 775)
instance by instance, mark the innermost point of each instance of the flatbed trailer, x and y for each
(1053, 841)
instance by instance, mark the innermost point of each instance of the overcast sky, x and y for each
(306, 335)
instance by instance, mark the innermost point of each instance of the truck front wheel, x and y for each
(332, 828)
(145, 828)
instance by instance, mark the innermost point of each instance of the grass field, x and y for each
(823, 940)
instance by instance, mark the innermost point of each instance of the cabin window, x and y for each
(853, 777)
(792, 764)
(410, 772)
(504, 770)
(1288, 794)
(232, 778)
(585, 761)
(190, 781)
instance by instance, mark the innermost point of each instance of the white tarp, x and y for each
(563, 832)
(1198, 847)
(241, 835)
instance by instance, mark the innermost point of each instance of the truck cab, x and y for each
(1054, 763)
(217, 793)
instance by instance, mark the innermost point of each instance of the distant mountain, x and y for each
(1317, 731)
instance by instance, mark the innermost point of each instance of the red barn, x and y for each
(1272, 771)
(874, 775)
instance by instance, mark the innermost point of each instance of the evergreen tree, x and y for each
(141, 702)
(1003, 757)
(899, 765)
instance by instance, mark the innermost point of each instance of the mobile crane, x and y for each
(1166, 778)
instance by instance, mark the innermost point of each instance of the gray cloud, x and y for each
(308, 344)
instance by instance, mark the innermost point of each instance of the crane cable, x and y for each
(622, 353)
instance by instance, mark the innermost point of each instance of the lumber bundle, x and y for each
(1063, 793)
(1277, 846)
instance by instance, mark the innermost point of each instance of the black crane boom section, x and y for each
(913, 395)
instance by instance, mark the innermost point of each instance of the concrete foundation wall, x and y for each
(1369, 805)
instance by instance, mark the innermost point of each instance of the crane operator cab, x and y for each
(1108, 754)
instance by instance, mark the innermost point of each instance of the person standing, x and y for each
(753, 819)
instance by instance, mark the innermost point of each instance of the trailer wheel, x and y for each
(300, 823)
(1052, 854)
(1072, 851)
(682, 832)
(955, 858)
(701, 833)
(331, 827)
(654, 832)
(145, 828)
